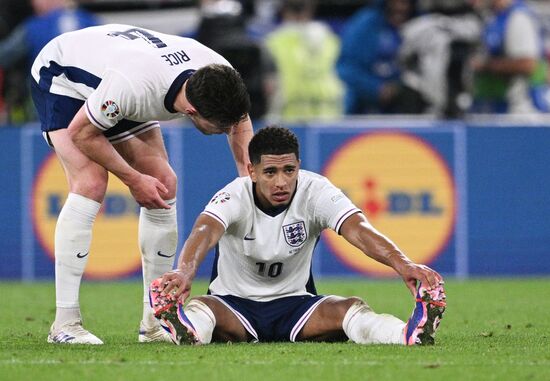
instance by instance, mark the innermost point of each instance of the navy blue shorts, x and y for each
(277, 320)
(57, 111)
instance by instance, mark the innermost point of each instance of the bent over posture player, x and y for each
(99, 93)
(266, 226)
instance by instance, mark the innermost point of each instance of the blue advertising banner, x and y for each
(468, 200)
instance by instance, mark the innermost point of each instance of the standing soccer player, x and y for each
(99, 93)
(266, 227)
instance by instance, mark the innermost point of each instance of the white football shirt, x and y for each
(263, 257)
(121, 71)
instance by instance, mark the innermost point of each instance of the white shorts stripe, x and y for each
(138, 130)
(241, 318)
(305, 317)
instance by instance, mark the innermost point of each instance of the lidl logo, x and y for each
(405, 189)
(114, 251)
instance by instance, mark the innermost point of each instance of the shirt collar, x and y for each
(174, 89)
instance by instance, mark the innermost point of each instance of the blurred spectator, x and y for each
(261, 17)
(223, 29)
(51, 18)
(512, 75)
(368, 63)
(305, 53)
(12, 12)
(435, 52)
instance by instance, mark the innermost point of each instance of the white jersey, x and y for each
(263, 257)
(122, 72)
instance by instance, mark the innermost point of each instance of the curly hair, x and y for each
(273, 140)
(219, 94)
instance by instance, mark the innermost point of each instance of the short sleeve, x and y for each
(110, 101)
(333, 207)
(225, 206)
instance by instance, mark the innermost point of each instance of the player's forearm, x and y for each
(380, 248)
(99, 150)
(360, 233)
(196, 247)
(238, 140)
(88, 139)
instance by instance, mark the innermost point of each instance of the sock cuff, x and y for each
(202, 307)
(355, 309)
(161, 216)
(82, 205)
(202, 318)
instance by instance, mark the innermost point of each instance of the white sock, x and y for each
(73, 236)
(202, 318)
(158, 241)
(363, 326)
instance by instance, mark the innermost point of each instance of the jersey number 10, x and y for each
(274, 269)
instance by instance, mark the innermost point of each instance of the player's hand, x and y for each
(176, 284)
(147, 191)
(412, 272)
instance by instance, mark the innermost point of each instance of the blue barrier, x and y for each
(467, 199)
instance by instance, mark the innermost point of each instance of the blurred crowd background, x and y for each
(322, 59)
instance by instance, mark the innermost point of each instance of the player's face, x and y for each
(276, 178)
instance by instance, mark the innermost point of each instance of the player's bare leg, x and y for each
(203, 320)
(339, 318)
(73, 234)
(158, 236)
(228, 327)
(325, 324)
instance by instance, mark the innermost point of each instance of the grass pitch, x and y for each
(492, 330)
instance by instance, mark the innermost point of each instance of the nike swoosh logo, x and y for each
(164, 255)
(79, 255)
(247, 238)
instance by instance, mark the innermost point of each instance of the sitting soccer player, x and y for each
(266, 226)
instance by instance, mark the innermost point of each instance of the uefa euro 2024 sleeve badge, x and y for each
(110, 109)
(220, 198)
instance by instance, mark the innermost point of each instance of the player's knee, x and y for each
(170, 181)
(203, 319)
(353, 301)
(167, 176)
(93, 186)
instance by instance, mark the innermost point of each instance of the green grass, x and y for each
(492, 330)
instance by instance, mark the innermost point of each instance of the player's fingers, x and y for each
(184, 295)
(167, 289)
(161, 187)
(157, 203)
(164, 281)
(169, 285)
(411, 285)
(427, 280)
(161, 204)
(434, 279)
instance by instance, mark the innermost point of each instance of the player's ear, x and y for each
(190, 111)
(251, 172)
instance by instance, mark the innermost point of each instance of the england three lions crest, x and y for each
(295, 234)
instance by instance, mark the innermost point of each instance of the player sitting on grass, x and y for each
(266, 227)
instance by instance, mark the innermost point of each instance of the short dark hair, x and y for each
(273, 140)
(219, 94)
